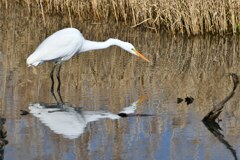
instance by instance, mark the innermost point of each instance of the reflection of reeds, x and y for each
(192, 17)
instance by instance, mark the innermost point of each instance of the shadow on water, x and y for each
(69, 121)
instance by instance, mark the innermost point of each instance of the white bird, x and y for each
(65, 43)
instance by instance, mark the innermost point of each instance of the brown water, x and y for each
(109, 80)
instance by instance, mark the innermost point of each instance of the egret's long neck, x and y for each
(94, 45)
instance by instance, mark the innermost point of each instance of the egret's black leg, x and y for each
(60, 97)
(58, 77)
(53, 94)
(51, 75)
(59, 82)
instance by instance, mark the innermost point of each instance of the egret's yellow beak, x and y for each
(140, 100)
(140, 55)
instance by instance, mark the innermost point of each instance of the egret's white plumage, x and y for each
(63, 44)
(60, 46)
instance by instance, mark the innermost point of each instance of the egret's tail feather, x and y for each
(31, 60)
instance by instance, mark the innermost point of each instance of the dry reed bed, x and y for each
(176, 16)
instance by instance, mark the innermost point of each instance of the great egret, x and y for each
(65, 43)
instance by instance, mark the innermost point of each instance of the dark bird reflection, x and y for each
(215, 129)
(71, 121)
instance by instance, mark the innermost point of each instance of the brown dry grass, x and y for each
(176, 16)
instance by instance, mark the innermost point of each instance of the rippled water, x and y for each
(107, 81)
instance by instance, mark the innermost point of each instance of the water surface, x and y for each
(109, 80)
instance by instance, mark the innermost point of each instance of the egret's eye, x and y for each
(132, 49)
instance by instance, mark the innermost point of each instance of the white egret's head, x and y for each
(128, 47)
(131, 49)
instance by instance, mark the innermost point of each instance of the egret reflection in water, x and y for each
(71, 121)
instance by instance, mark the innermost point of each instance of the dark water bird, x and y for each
(64, 44)
(217, 109)
(179, 100)
(209, 119)
(189, 100)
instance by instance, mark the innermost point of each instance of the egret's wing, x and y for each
(62, 44)
(70, 124)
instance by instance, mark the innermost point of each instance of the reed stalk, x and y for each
(42, 11)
